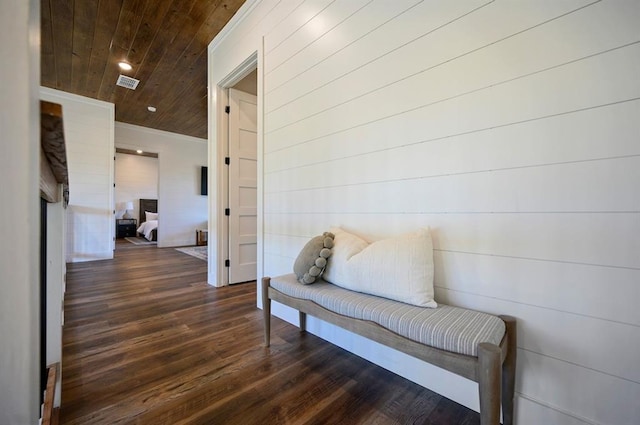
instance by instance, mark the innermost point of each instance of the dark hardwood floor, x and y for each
(147, 341)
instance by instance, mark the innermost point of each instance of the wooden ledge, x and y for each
(48, 416)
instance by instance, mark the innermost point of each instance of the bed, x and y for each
(148, 219)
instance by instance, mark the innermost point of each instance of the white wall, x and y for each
(136, 178)
(19, 214)
(511, 128)
(181, 208)
(88, 128)
(56, 275)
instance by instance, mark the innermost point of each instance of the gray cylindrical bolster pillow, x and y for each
(312, 260)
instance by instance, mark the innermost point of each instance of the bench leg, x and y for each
(266, 310)
(303, 321)
(489, 372)
(509, 371)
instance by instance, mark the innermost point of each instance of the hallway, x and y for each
(147, 341)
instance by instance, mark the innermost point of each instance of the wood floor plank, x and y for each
(147, 341)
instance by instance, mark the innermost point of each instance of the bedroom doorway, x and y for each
(136, 179)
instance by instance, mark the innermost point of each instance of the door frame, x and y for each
(218, 181)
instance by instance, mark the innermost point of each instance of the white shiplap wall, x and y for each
(181, 208)
(511, 128)
(88, 130)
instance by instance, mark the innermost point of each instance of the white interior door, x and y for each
(243, 183)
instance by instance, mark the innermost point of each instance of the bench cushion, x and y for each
(446, 327)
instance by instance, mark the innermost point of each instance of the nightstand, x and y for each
(202, 237)
(126, 227)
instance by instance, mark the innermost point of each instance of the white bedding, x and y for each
(147, 227)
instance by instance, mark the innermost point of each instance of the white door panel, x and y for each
(243, 185)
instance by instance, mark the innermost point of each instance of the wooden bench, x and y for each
(493, 368)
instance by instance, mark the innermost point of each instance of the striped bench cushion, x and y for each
(449, 328)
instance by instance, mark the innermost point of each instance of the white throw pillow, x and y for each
(399, 268)
(345, 246)
(150, 216)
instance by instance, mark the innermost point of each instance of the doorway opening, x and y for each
(136, 183)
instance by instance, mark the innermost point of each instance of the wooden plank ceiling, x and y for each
(164, 40)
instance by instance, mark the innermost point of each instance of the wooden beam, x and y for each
(48, 183)
(53, 158)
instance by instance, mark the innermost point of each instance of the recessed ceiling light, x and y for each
(125, 66)
(139, 151)
(151, 108)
